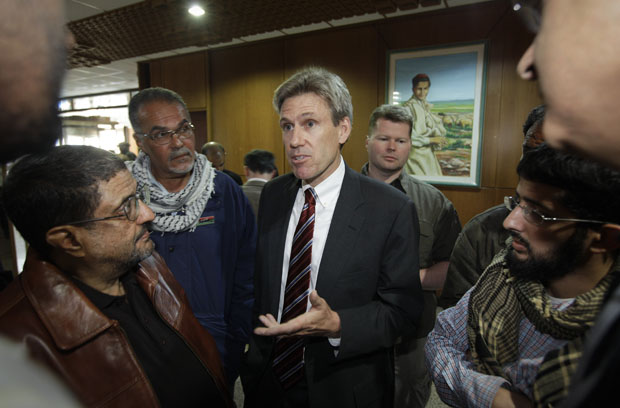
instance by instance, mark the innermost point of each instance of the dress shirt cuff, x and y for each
(335, 343)
(482, 392)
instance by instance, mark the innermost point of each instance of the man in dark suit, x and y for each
(336, 279)
(259, 167)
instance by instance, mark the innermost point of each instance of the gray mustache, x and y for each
(182, 151)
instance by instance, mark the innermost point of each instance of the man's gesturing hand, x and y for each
(320, 320)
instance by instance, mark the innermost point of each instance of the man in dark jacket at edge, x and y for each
(94, 302)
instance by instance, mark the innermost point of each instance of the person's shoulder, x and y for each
(222, 178)
(413, 101)
(17, 309)
(224, 182)
(496, 266)
(490, 216)
(425, 188)
(281, 181)
(254, 184)
(155, 269)
(231, 193)
(429, 198)
(236, 178)
(377, 190)
(280, 187)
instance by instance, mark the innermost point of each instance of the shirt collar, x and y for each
(256, 179)
(328, 190)
(103, 300)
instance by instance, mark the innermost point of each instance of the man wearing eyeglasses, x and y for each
(94, 302)
(516, 337)
(204, 226)
(576, 42)
(483, 236)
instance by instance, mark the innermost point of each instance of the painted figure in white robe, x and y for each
(428, 132)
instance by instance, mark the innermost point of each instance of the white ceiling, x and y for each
(122, 75)
(104, 78)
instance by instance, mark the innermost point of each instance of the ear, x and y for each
(65, 238)
(344, 130)
(246, 171)
(608, 239)
(367, 140)
(139, 141)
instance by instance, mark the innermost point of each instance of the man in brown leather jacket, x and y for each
(94, 302)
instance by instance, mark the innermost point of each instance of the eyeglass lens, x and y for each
(529, 214)
(131, 208)
(163, 138)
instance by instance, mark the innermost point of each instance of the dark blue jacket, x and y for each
(215, 266)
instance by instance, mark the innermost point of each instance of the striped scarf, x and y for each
(498, 303)
(180, 211)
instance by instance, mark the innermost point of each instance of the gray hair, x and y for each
(393, 113)
(149, 95)
(321, 82)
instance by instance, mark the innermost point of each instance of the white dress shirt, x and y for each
(327, 193)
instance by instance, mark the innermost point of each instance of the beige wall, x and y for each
(233, 87)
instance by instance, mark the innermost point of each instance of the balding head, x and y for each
(215, 154)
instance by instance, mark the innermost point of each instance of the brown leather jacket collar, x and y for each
(72, 320)
(66, 312)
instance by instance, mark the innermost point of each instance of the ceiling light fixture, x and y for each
(196, 11)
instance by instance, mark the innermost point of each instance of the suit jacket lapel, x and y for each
(343, 233)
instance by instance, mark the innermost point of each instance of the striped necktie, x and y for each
(288, 363)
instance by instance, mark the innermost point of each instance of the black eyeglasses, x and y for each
(130, 211)
(533, 216)
(164, 137)
(530, 12)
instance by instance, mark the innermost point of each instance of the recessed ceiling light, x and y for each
(196, 11)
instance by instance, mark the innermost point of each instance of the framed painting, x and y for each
(443, 89)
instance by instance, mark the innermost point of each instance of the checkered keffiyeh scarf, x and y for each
(180, 211)
(499, 302)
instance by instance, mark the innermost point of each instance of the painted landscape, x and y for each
(457, 117)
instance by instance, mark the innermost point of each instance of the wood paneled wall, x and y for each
(235, 86)
(242, 82)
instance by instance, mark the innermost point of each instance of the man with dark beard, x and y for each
(483, 236)
(515, 338)
(94, 302)
(576, 42)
